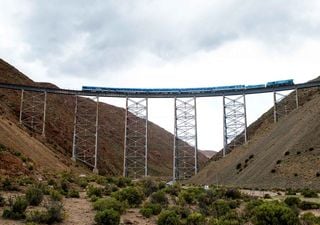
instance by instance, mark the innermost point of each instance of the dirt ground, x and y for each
(79, 211)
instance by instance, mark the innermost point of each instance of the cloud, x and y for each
(86, 38)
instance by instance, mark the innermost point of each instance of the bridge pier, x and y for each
(234, 122)
(85, 132)
(33, 107)
(135, 163)
(282, 107)
(185, 155)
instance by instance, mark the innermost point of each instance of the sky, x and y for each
(167, 43)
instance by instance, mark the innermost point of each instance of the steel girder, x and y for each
(234, 122)
(85, 135)
(185, 157)
(136, 138)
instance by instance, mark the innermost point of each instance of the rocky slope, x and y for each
(281, 155)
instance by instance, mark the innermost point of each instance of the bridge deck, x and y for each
(160, 94)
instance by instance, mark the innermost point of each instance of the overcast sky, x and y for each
(167, 43)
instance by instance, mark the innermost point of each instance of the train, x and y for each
(271, 84)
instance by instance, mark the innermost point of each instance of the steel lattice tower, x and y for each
(234, 121)
(85, 135)
(185, 156)
(283, 104)
(33, 111)
(136, 138)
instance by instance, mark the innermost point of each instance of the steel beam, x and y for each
(234, 122)
(135, 163)
(185, 157)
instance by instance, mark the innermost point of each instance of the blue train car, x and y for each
(280, 83)
(255, 86)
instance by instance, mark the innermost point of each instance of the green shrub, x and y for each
(304, 205)
(149, 209)
(34, 196)
(94, 191)
(109, 203)
(107, 217)
(132, 195)
(196, 219)
(168, 217)
(73, 193)
(160, 198)
(173, 189)
(310, 219)
(37, 216)
(231, 218)
(233, 194)
(267, 196)
(17, 209)
(146, 212)
(220, 208)
(64, 186)
(307, 193)
(291, 192)
(7, 185)
(2, 201)
(55, 195)
(122, 182)
(292, 201)
(161, 185)
(82, 182)
(274, 213)
(183, 212)
(190, 195)
(54, 212)
(149, 187)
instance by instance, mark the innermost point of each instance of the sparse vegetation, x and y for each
(287, 153)
(159, 197)
(17, 209)
(307, 193)
(34, 195)
(109, 203)
(274, 213)
(168, 217)
(132, 195)
(107, 217)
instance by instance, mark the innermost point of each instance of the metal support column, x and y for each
(33, 111)
(185, 160)
(44, 114)
(74, 129)
(95, 168)
(284, 103)
(297, 98)
(234, 122)
(136, 138)
(85, 135)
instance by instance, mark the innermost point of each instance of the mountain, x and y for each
(54, 150)
(285, 154)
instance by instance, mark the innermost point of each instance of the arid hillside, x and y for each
(281, 155)
(59, 130)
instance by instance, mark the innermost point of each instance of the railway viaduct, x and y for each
(33, 109)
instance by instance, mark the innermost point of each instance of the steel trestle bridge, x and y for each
(33, 107)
